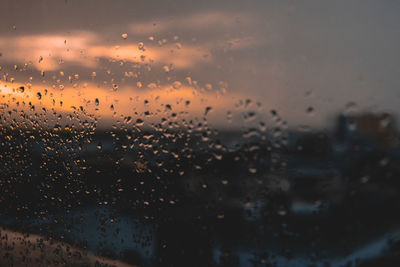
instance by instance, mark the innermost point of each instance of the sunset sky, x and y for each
(282, 55)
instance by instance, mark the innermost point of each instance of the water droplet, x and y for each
(364, 179)
(262, 126)
(252, 170)
(177, 85)
(229, 116)
(139, 122)
(351, 107)
(96, 102)
(277, 132)
(384, 161)
(166, 69)
(208, 109)
(282, 212)
(385, 120)
(141, 46)
(249, 116)
(247, 102)
(124, 36)
(352, 124)
(39, 95)
(127, 119)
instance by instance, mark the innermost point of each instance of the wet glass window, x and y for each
(199, 133)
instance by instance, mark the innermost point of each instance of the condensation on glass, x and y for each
(182, 133)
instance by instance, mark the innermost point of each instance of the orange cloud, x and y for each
(83, 48)
(150, 105)
(185, 57)
(46, 52)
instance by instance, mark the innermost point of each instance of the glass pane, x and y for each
(199, 133)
